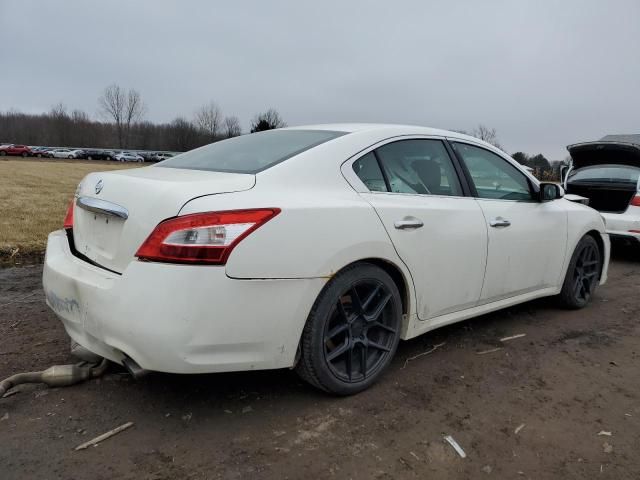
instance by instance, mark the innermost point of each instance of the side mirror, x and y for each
(550, 191)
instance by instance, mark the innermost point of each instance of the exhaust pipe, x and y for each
(56, 376)
(135, 370)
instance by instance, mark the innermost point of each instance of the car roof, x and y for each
(385, 128)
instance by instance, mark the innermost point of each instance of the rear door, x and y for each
(438, 232)
(527, 238)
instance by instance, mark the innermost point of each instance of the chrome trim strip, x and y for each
(102, 206)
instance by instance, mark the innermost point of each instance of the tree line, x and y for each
(121, 124)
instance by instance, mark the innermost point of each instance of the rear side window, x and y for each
(250, 153)
(369, 172)
(419, 167)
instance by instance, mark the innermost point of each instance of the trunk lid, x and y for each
(604, 153)
(606, 172)
(148, 196)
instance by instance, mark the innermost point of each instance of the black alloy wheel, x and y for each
(352, 332)
(583, 274)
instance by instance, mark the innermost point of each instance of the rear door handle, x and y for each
(408, 223)
(500, 222)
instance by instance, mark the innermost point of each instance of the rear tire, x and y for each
(583, 274)
(352, 332)
(2, 154)
(24, 155)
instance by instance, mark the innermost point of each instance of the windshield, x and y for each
(608, 173)
(250, 153)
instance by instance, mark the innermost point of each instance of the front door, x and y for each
(527, 238)
(439, 233)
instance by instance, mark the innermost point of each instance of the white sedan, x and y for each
(128, 157)
(64, 153)
(318, 248)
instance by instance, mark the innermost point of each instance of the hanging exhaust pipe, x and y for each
(57, 376)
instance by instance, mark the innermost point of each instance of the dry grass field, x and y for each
(34, 196)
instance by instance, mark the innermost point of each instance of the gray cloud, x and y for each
(544, 74)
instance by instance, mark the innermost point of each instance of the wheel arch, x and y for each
(601, 248)
(402, 280)
(396, 275)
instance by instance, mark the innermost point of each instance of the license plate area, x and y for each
(96, 235)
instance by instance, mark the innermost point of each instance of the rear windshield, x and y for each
(609, 173)
(250, 153)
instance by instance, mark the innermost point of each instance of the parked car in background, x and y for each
(39, 151)
(159, 156)
(207, 262)
(92, 154)
(65, 153)
(128, 157)
(147, 156)
(15, 150)
(608, 174)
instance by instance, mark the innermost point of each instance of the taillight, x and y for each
(68, 219)
(202, 237)
(635, 201)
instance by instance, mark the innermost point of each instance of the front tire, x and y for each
(352, 332)
(583, 274)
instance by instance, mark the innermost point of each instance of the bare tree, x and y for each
(487, 134)
(232, 127)
(61, 123)
(267, 121)
(134, 111)
(124, 108)
(183, 135)
(209, 120)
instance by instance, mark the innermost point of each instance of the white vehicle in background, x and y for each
(608, 174)
(316, 248)
(64, 153)
(128, 157)
(159, 157)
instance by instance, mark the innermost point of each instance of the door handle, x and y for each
(408, 223)
(500, 222)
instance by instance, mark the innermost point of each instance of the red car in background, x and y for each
(22, 150)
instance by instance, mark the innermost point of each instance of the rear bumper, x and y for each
(621, 225)
(177, 318)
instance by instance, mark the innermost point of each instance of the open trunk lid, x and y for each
(606, 172)
(116, 211)
(589, 154)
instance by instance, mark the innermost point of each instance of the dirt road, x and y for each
(574, 374)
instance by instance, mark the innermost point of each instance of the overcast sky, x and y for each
(543, 74)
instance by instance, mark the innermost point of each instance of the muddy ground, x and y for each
(574, 374)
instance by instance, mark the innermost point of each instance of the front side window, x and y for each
(419, 167)
(492, 175)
